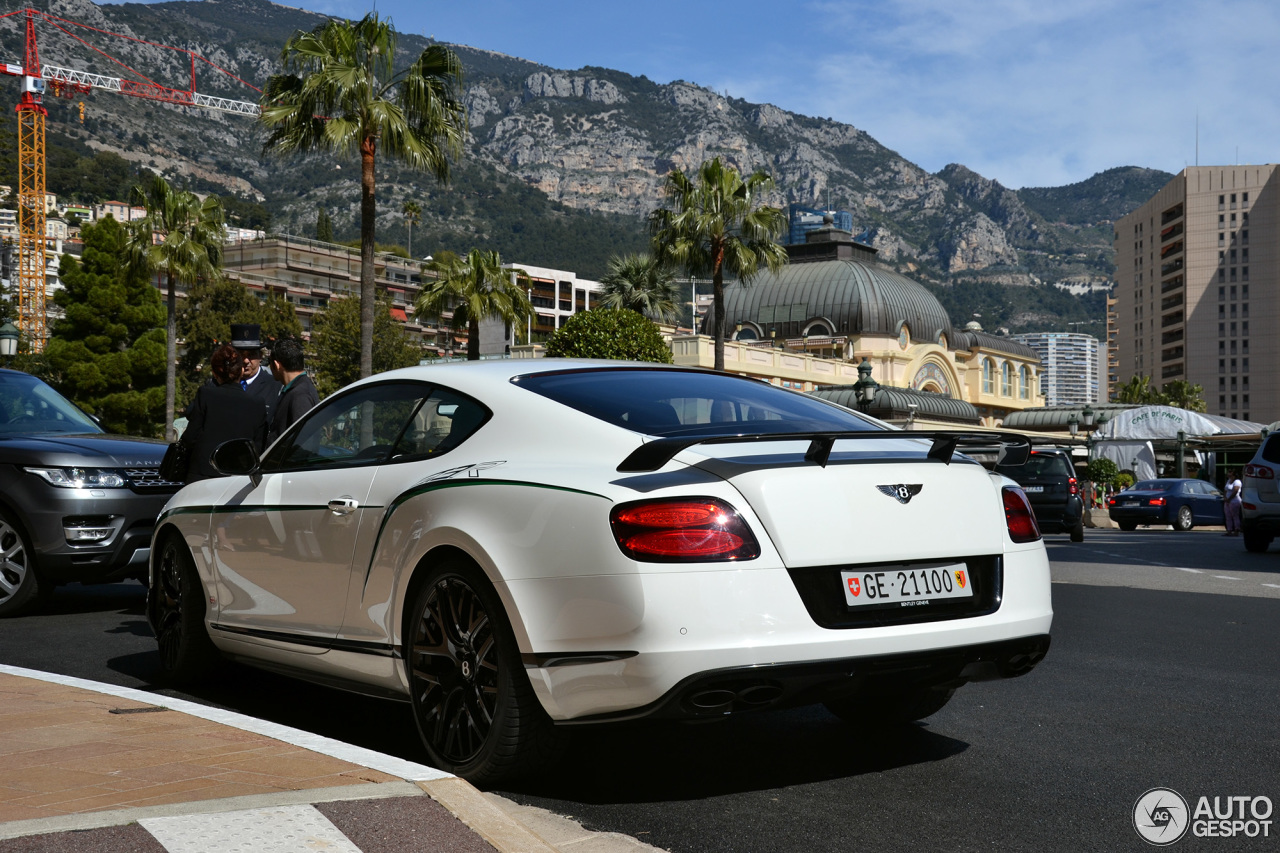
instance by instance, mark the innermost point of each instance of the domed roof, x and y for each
(858, 298)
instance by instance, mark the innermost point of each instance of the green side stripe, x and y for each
(223, 510)
(454, 484)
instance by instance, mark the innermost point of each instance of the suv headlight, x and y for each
(80, 478)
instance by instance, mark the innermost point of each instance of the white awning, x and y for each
(1165, 422)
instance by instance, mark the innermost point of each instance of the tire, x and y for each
(1128, 525)
(890, 709)
(176, 608)
(21, 589)
(1256, 542)
(1184, 521)
(475, 709)
(1077, 532)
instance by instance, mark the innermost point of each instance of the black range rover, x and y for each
(76, 504)
(1049, 479)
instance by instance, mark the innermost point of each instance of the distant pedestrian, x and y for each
(1231, 502)
(299, 395)
(259, 383)
(221, 412)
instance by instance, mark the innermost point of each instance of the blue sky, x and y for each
(1029, 92)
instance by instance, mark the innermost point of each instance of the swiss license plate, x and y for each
(1033, 488)
(908, 586)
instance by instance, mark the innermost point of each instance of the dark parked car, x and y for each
(76, 504)
(1182, 503)
(1048, 477)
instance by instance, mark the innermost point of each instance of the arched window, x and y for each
(1006, 380)
(818, 330)
(1024, 386)
(988, 377)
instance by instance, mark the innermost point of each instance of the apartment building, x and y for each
(1070, 371)
(1197, 291)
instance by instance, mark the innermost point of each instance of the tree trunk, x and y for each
(368, 286)
(473, 339)
(717, 300)
(171, 358)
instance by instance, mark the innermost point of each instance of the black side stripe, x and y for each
(336, 644)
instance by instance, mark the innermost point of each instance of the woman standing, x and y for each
(220, 412)
(1231, 502)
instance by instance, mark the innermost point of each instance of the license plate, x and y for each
(1033, 488)
(1130, 503)
(907, 586)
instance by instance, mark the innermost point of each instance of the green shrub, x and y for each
(613, 333)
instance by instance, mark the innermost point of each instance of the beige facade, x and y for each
(1196, 294)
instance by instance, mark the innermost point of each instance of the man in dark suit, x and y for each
(258, 383)
(299, 395)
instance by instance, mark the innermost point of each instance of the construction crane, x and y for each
(37, 79)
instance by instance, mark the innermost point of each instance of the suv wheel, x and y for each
(176, 608)
(1256, 542)
(1185, 520)
(1077, 532)
(20, 588)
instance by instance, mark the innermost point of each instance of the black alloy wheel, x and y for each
(473, 704)
(175, 604)
(1185, 520)
(1256, 542)
(20, 588)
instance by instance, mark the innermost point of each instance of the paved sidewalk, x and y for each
(104, 769)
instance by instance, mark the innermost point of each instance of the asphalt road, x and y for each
(1164, 672)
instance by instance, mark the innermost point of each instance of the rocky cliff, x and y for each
(583, 151)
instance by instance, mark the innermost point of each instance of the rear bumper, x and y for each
(1139, 515)
(1059, 518)
(671, 633)
(772, 686)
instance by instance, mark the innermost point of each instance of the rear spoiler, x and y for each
(1011, 448)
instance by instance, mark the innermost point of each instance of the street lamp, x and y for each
(865, 388)
(1087, 414)
(1073, 424)
(9, 335)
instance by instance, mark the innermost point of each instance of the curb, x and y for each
(457, 795)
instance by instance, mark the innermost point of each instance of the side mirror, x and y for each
(236, 457)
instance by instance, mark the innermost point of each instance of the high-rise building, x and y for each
(805, 219)
(1198, 288)
(1070, 366)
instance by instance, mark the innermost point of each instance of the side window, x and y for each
(359, 428)
(439, 425)
(1271, 450)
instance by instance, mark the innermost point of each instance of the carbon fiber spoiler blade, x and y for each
(1012, 448)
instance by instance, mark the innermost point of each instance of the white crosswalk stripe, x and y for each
(280, 829)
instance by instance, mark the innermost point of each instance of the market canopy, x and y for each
(1165, 422)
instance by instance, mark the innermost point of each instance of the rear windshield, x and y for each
(1154, 485)
(685, 402)
(1039, 465)
(30, 407)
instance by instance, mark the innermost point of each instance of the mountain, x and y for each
(562, 166)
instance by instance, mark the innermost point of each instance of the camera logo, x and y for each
(1160, 816)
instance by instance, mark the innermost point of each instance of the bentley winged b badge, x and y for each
(903, 492)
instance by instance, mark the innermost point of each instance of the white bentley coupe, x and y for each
(517, 547)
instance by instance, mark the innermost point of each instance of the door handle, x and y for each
(343, 506)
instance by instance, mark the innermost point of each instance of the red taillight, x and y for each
(682, 531)
(1111, 501)
(1259, 472)
(1071, 484)
(1156, 502)
(1018, 516)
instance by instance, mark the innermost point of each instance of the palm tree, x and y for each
(638, 282)
(412, 216)
(341, 93)
(181, 238)
(1184, 395)
(716, 225)
(475, 287)
(1138, 390)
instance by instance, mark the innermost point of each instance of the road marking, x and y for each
(1193, 571)
(1226, 578)
(1272, 585)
